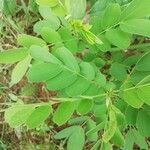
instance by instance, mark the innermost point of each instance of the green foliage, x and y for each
(20, 114)
(132, 28)
(13, 55)
(20, 70)
(27, 40)
(63, 112)
(75, 135)
(50, 3)
(42, 113)
(143, 64)
(118, 38)
(84, 106)
(136, 9)
(112, 13)
(118, 71)
(76, 8)
(98, 67)
(111, 127)
(142, 123)
(132, 137)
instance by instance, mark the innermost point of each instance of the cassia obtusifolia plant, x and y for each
(98, 70)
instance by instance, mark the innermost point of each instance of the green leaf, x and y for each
(140, 140)
(38, 116)
(59, 10)
(118, 138)
(131, 115)
(50, 36)
(49, 23)
(143, 92)
(17, 115)
(69, 41)
(118, 38)
(132, 137)
(85, 106)
(47, 14)
(65, 133)
(136, 9)
(92, 90)
(137, 76)
(90, 126)
(76, 8)
(140, 94)
(50, 3)
(118, 71)
(129, 141)
(82, 83)
(28, 40)
(63, 112)
(43, 71)
(111, 15)
(67, 58)
(78, 120)
(100, 111)
(13, 55)
(136, 26)
(76, 140)
(20, 70)
(143, 123)
(61, 81)
(143, 63)
(99, 62)
(112, 126)
(130, 96)
(106, 45)
(97, 128)
(120, 117)
(42, 54)
(145, 80)
(131, 60)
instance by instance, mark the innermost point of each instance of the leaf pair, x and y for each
(75, 136)
(133, 137)
(136, 96)
(65, 110)
(30, 115)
